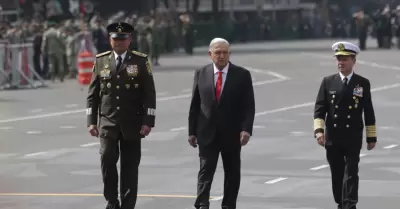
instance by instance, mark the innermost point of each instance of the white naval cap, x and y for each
(343, 48)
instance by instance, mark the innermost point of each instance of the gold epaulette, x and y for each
(139, 54)
(371, 131)
(102, 54)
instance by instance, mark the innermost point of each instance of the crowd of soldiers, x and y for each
(157, 33)
(56, 44)
(384, 24)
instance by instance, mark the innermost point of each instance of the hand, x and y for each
(192, 141)
(145, 130)
(93, 130)
(371, 145)
(244, 138)
(321, 139)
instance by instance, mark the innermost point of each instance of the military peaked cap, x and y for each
(343, 48)
(120, 30)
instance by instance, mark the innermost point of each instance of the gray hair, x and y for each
(217, 41)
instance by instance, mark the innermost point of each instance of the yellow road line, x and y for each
(91, 195)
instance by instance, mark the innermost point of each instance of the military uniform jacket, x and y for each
(338, 110)
(124, 99)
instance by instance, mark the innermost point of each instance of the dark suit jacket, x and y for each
(341, 110)
(232, 114)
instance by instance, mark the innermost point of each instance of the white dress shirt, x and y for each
(116, 57)
(224, 73)
(348, 77)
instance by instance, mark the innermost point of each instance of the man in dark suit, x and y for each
(122, 95)
(221, 119)
(338, 123)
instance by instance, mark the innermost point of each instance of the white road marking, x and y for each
(90, 144)
(285, 108)
(377, 65)
(33, 132)
(43, 116)
(71, 105)
(310, 104)
(37, 110)
(35, 154)
(268, 72)
(259, 83)
(258, 127)
(67, 127)
(186, 90)
(319, 167)
(182, 96)
(7, 155)
(276, 180)
(280, 76)
(391, 146)
(386, 127)
(6, 128)
(161, 93)
(298, 133)
(217, 198)
(179, 129)
(363, 155)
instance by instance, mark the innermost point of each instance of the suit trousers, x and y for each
(343, 160)
(230, 153)
(130, 152)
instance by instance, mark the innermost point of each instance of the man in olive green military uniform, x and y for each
(341, 102)
(122, 95)
(53, 46)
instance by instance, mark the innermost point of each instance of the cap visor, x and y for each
(119, 35)
(343, 53)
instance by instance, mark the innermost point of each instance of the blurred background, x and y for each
(169, 26)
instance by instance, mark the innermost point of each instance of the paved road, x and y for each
(48, 159)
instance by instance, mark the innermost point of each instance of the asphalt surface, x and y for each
(49, 160)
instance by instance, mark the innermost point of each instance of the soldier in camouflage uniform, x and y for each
(71, 52)
(53, 45)
(122, 96)
(158, 38)
(144, 35)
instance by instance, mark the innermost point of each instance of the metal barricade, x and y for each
(17, 71)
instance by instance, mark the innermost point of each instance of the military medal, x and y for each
(136, 86)
(108, 85)
(350, 107)
(355, 105)
(127, 86)
(358, 91)
(132, 70)
(106, 66)
(332, 101)
(105, 73)
(102, 85)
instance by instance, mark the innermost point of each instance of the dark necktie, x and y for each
(345, 82)
(119, 62)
